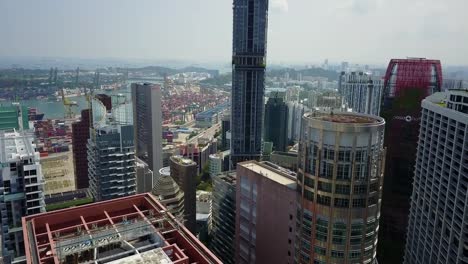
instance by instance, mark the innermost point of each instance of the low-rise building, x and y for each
(133, 229)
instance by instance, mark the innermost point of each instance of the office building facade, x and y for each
(265, 213)
(13, 116)
(295, 112)
(361, 92)
(144, 177)
(407, 82)
(248, 78)
(169, 193)
(437, 229)
(223, 216)
(147, 117)
(216, 164)
(21, 190)
(184, 172)
(340, 177)
(225, 132)
(80, 136)
(276, 123)
(111, 162)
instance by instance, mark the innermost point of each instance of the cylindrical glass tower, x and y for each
(340, 177)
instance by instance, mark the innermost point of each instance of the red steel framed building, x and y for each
(407, 82)
(134, 229)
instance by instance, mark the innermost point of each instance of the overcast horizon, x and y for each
(300, 31)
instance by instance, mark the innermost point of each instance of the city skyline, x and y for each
(436, 30)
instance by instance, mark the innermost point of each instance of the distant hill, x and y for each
(313, 72)
(161, 71)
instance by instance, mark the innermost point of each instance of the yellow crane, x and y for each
(68, 106)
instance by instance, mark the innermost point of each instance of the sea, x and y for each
(53, 109)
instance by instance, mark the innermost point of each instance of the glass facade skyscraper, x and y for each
(276, 123)
(340, 177)
(248, 78)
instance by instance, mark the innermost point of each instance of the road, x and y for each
(205, 133)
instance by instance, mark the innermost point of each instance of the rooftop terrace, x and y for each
(345, 118)
(124, 230)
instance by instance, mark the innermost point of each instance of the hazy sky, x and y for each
(360, 31)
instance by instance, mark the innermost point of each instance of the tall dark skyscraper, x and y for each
(248, 78)
(407, 82)
(276, 123)
(80, 135)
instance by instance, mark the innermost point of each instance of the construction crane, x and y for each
(68, 105)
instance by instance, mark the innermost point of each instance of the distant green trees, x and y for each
(204, 181)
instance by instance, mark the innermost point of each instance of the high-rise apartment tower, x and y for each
(438, 226)
(21, 190)
(361, 92)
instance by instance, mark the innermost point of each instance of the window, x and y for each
(309, 195)
(356, 229)
(341, 189)
(355, 241)
(341, 203)
(245, 186)
(326, 170)
(339, 233)
(343, 172)
(361, 155)
(359, 203)
(320, 250)
(323, 199)
(309, 182)
(354, 254)
(325, 186)
(321, 229)
(329, 154)
(359, 189)
(337, 254)
(344, 155)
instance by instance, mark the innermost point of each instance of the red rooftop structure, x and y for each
(134, 229)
